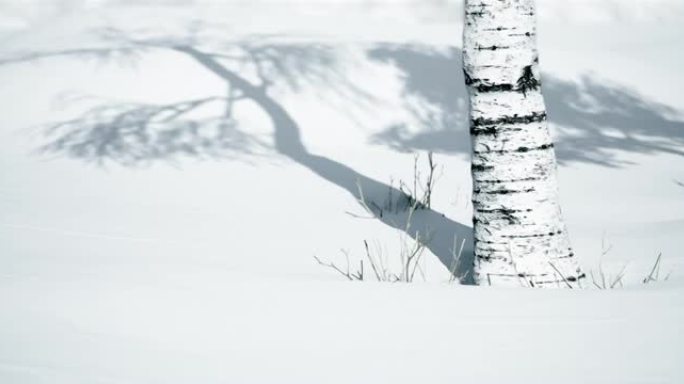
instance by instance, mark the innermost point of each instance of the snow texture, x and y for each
(169, 170)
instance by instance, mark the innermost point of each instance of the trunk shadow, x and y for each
(288, 142)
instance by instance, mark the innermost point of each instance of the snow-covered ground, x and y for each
(182, 250)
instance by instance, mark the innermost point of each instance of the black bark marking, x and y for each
(527, 81)
(534, 117)
(489, 130)
(490, 251)
(476, 13)
(571, 279)
(502, 191)
(526, 34)
(487, 257)
(519, 149)
(492, 130)
(468, 79)
(504, 214)
(480, 167)
(490, 48)
(566, 256)
(491, 242)
(506, 211)
(536, 235)
(498, 181)
(521, 274)
(488, 88)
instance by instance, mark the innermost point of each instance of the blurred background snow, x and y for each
(18, 14)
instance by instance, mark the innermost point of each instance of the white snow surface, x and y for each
(169, 259)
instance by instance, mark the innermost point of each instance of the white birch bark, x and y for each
(520, 237)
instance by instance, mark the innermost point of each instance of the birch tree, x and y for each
(520, 237)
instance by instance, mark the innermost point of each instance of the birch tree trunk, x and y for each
(520, 237)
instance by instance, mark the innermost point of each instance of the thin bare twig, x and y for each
(336, 268)
(561, 275)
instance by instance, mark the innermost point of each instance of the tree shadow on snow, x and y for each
(132, 134)
(592, 119)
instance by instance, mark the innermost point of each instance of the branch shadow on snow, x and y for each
(591, 119)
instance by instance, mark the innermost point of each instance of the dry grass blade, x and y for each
(655, 271)
(372, 262)
(561, 275)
